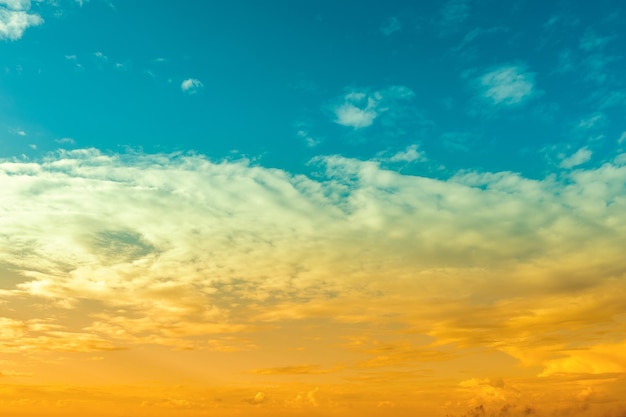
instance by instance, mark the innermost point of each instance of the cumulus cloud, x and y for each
(15, 19)
(453, 14)
(360, 108)
(508, 85)
(192, 86)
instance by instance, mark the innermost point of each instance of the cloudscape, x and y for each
(312, 208)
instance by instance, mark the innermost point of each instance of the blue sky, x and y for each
(525, 86)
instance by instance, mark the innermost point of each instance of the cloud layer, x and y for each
(182, 252)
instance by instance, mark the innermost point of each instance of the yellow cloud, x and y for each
(102, 252)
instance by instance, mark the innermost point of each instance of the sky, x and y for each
(312, 208)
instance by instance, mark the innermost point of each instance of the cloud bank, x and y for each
(176, 249)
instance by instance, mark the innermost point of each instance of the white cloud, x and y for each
(13, 23)
(391, 26)
(359, 108)
(594, 120)
(16, 4)
(166, 245)
(507, 85)
(101, 57)
(308, 138)
(358, 111)
(192, 86)
(411, 154)
(578, 158)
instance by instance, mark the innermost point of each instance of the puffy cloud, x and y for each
(15, 19)
(359, 108)
(507, 85)
(191, 86)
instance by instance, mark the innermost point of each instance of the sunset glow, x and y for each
(312, 208)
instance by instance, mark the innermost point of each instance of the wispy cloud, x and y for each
(309, 139)
(390, 26)
(577, 158)
(591, 41)
(507, 85)
(453, 14)
(192, 86)
(410, 154)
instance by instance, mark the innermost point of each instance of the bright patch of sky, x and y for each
(532, 87)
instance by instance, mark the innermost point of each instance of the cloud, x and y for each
(453, 14)
(507, 85)
(19, 132)
(309, 139)
(15, 19)
(391, 26)
(15, 4)
(578, 158)
(192, 86)
(66, 141)
(595, 120)
(360, 108)
(100, 57)
(591, 41)
(410, 154)
(178, 250)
